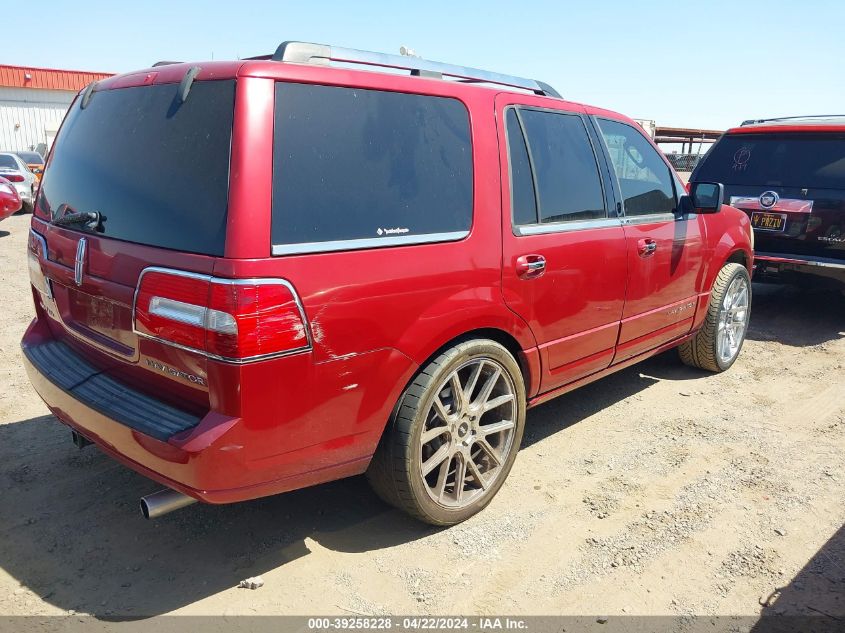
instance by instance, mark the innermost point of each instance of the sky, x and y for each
(694, 64)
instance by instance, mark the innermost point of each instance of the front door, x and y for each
(564, 260)
(664, 249)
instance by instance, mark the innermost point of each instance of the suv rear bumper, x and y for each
(818, 266)
(199, 456)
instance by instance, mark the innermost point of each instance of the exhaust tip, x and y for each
(164, 502)
(80, 440)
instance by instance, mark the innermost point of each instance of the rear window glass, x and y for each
(7, 162)
(31, 157)
(155, 169)
(788, 160)
(375, 167)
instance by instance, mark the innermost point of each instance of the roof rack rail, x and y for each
(791, 118)
(307, 53)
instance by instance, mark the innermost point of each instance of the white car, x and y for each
(13, 169)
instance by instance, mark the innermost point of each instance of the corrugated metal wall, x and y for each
(26, 114)
(49, 78)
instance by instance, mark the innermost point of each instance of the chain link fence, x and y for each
(684, 162)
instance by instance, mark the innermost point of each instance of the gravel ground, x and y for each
(659, 490)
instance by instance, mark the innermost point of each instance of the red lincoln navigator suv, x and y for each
(260, 275)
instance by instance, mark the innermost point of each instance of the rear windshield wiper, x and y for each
(90, 218)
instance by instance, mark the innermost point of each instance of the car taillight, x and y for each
(237, 320)
(13, 177)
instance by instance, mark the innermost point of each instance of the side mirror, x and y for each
(707, 197)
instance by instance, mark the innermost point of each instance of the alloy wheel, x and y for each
(468, 433)
(733, 319)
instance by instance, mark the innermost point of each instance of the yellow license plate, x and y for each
(768, 221)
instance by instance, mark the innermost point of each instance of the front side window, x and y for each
(566, 177)
(370, 166)
(644, 177)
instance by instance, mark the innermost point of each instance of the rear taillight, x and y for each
(235, 320)
(13, 177)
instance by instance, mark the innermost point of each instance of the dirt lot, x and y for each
(660, 490)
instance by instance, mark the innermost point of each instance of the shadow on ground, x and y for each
(795, 316)
(4, 233)
(815, 598)
(71, 532)
(70, 529)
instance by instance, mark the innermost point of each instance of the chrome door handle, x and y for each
(646, 247)
(530, 266)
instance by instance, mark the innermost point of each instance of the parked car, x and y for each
(10, 201)
(34, 161)
(255, 276)
(788, 175)
(15, 171)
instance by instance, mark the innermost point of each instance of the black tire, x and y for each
(395, 471)
(701, 350)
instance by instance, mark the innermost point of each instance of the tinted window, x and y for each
(8, 162)
(787, 160)
(523, 202)
(565, 169)
(157, 170)
(645, 179)
(364, 164)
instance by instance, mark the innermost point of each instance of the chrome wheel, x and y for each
(468, 433)
(733, 319)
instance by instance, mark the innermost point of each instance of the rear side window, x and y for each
(156, 169)
(565, 172)
(786, 160)
(357, 168)
(644, 177)
(523, 200)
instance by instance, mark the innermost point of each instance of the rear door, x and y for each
(664, 249)
(157, 171)
(564, 264)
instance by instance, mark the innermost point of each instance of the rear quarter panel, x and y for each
(376, 315)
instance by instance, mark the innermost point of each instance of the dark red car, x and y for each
(788, 175)
(10, 201)
(255, 276)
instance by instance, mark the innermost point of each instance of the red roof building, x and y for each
(33, 102)
(47, 78)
